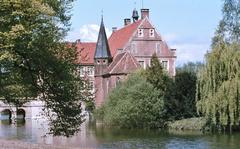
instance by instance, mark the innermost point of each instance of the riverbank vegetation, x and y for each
(148, 98)
(198, 124)
(210, 90)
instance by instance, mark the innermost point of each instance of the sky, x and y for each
(187, 25)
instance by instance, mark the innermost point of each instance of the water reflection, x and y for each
(93, 135)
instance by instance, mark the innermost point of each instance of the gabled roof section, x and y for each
(123, 63)
(120, 38)
(85, 52)
(102, 47)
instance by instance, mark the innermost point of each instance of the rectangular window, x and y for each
(165, 65)
(140, 32)
(91, 85)
(158, 48)
(142, 64)
(90, 70)
(81, 70)
(151, 32)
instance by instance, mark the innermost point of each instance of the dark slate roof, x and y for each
(102, 47)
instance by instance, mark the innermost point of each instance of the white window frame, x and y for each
(167, 64)
(86, 70)
(90, 70)
(81, 71)
(151, 32)
(143, 62)
(91, 85)
(140, 32)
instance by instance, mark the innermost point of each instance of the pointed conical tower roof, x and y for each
(102, 48)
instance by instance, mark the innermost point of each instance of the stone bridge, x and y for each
(27, 111)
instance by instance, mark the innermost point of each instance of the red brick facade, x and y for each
(130, 48)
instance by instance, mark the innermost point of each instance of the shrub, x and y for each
(134, 103)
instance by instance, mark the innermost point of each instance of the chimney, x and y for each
(114, 29)
(127, 21)
(173, 51)
(144, 13)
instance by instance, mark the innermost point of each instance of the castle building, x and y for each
(108, 61)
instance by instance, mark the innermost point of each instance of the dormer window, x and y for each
(140, 32)
(151, 32)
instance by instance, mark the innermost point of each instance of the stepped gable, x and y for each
(120, 38)
(123, 63)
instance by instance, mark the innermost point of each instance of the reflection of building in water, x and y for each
(35, 131)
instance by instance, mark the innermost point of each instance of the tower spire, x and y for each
(102, 14)
(102, 48)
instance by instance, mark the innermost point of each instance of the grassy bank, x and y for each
(188, 124)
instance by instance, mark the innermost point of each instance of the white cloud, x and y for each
(87, 33)
(190, 52)
(170, 37)
(188, 49)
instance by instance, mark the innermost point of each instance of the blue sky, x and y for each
(187, 25)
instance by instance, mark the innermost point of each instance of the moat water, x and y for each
(95, 136)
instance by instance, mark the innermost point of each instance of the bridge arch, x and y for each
(21, 114)
(6, 114)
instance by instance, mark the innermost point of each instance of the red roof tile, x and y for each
(119, 38)
(123, 63)
(86, 52)
(116, 41)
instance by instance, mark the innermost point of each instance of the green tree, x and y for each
(185, 90)
(35, 62)
(156, 75)
(218, 88)
(229, 27)
(159, 78)
(134, 103)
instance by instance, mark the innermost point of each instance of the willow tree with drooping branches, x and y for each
(218, 84)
